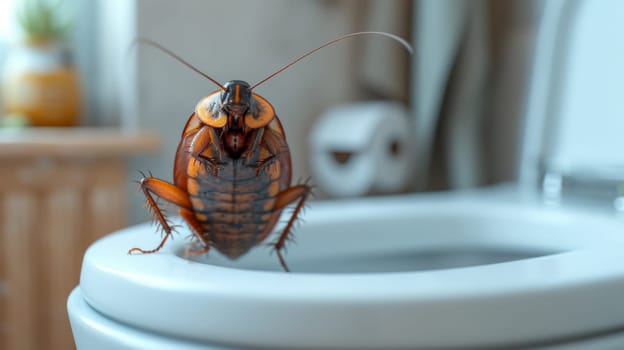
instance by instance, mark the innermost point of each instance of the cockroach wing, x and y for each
(182, 155)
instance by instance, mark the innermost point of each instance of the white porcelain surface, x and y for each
(93, 331)
(428, 271)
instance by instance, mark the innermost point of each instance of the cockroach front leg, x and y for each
(284, 198)
(168, 192)
(206, 148)
(273, 147)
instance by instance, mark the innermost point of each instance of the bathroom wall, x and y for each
(470, 89)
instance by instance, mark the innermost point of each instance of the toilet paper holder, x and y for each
(362, 148)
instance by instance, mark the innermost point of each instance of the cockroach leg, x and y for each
(169, 193)
(264, 164)
(199, 251)
(251, 156)
(284, 198)
(212, 165)
(190, 219)
(205, 147)
(275, 149)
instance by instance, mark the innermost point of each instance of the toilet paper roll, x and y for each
(362, 148)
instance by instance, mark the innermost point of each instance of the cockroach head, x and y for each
(236, 94)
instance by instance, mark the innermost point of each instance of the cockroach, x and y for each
(232, 169)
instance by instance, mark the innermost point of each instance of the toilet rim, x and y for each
(364, 310)
(219, 304)
(449, 283)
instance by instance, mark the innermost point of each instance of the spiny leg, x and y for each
(168, 192)
(190, 219)
(284, 198)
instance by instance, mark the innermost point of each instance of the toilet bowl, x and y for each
(483, 269)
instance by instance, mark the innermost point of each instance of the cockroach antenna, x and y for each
(331, 42)
(180, 59)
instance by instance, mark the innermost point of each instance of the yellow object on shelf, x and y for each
(39, 82)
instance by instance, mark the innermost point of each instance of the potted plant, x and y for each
(39, 81)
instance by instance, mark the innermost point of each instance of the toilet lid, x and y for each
(570, 287)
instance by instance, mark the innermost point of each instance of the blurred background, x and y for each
(447, 117)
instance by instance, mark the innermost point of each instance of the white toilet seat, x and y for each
(574, 289)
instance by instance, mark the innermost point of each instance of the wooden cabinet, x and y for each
(60, 189)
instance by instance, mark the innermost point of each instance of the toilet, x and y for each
(479, 270)
(492, 268)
